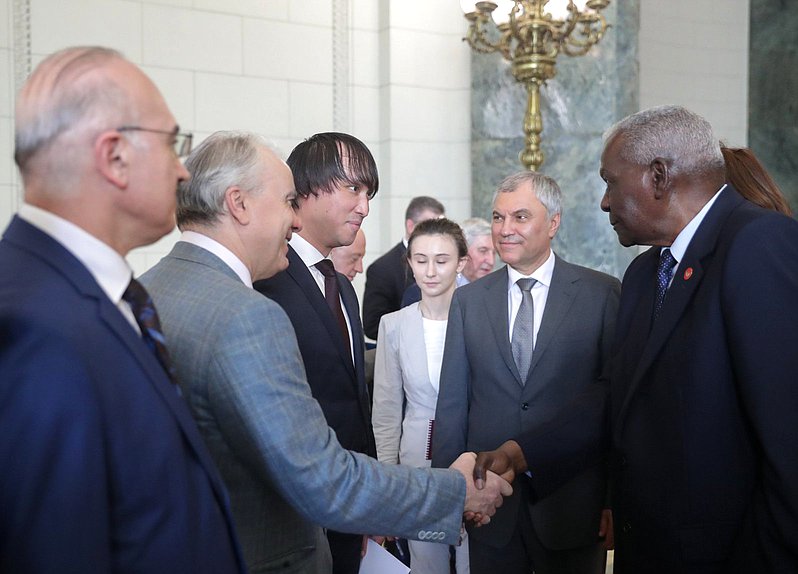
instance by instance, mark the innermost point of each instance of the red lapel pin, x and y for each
(688, 273)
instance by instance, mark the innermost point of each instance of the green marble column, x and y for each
(589, 94)
(773, 91)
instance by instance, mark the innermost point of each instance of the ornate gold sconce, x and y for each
(531, 36)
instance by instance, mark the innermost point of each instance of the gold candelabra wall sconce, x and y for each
(531, 34)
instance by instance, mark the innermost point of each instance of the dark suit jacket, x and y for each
(386, 281)
(704, 402)
(103, 467)
(338, 385)
(482, 401)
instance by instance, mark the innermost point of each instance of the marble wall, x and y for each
(773, 85)
(588, 95)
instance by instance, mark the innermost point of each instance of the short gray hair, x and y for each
(223, 160)
(474, 227)
(673, 133)
(62, 94)
(545, 188)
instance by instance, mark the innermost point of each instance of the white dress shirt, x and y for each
(539, 292)
(310, 256)
(682, 241)
(109, 269)
(230, 259)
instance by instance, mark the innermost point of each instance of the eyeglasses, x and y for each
(181, 145)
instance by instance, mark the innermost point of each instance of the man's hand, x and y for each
(481, 503)
(606, 529)
(507, 461)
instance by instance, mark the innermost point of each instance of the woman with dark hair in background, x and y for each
(749, 177)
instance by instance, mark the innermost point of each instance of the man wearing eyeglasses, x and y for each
(103, 467)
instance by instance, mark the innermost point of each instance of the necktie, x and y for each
(664, 272)
(524, 329)
(147, 319)
(332, 297)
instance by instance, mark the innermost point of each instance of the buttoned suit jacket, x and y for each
(704, 402)
(238, 359)
(104, 469)
(386, 281)
(337, 383)
(404, 397)
(483, 402)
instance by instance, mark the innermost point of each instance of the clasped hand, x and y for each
(480, 503)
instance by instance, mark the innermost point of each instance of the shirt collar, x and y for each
(682, 241)
(108, 268)
(307, 253)
(222, 252)
(542, 274)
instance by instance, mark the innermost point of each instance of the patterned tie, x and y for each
(332, 297)
(664, 273)
(524, 329)
(147, 319)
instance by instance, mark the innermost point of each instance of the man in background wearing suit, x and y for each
(388, 277)
(520, 344)
(704, 370)
(335, 177)
(239, 363)
(103, 469)
(348, 259)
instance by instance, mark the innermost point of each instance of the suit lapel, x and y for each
(561, 295)
(300, 273)
(415, 346)
(48, 249)
(496, 308)
(682, 290)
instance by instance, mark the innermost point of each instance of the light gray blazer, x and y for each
(483, 402)
(239, 364)
(402, 385)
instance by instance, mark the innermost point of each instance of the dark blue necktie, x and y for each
(147, 319)
(664, 274)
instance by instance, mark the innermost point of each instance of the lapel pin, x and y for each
(688, 273)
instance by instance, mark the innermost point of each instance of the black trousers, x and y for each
(525, 554)
(345, 549)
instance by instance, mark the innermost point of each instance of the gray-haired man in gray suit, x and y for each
(521, 343)
(239, 365)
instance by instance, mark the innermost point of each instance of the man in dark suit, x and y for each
(335, 176)
(103, 467)
(388, 277)
(241, 372)
(704, 372)
(520, 344)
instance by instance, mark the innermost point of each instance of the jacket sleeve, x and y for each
(264, 407)
(760, 309)
(388, 393)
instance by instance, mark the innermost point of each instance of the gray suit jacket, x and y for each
(281, 462)
(483, 402)
(404, 396)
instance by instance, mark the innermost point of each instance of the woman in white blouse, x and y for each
(408, 365)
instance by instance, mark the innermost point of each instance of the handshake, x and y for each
(485, 488)
(481, 499)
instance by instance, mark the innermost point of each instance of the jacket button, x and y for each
(627, 528)
(623, 462)
(524, 406)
